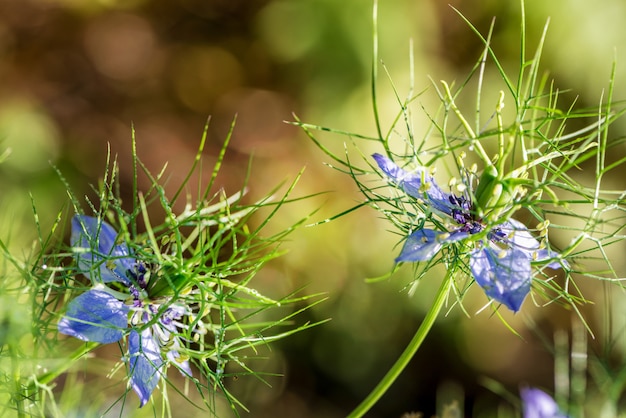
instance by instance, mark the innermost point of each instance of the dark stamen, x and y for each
(463, 215)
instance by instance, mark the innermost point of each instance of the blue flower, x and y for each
(538, 404)
(500, 261)
(105, 315)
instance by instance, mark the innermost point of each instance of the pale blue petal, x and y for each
(411, 184)
(421, 245)
(102, 259)
(545, 254)
(145, 364)
(183, 365)
(455, 236)
(170, 334)
(504, 275)
(519, 236)
(95, 316)
(538, 404)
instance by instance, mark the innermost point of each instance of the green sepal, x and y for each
(485, 190)
(169, 283)
(495, 195)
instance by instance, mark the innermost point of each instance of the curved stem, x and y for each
(19, 400)
(62, 367)
(408, 352)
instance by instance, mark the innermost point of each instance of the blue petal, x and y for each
(504, 275)
(423, 244)
(102, 260)
(183, 365)
(95, 316)
(519, 236)
(145, 362)
(170, 334)
(538, 404)
(411, 184)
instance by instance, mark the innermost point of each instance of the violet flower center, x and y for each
(463, 215)
(138, 283)
(137, 277)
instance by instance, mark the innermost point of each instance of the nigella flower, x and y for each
(538, 404)
(105, 315)
(501, 259)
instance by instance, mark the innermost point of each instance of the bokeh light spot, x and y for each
(290, 29)
(202, 73)
(120, 46)
(30, 134)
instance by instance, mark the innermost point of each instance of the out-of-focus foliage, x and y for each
(76, 74)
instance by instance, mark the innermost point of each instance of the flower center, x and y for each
(463, 215)
(138, 276)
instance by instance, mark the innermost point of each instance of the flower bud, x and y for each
(494, 195)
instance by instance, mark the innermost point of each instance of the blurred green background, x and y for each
(76, 74)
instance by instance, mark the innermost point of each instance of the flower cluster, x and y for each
(500, 253)
(106, 315)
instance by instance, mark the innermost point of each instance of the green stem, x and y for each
(408, 352)
(63, 366)
(19, 399)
